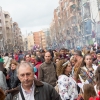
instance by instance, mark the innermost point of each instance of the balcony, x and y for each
(7, 19)
(8, 25)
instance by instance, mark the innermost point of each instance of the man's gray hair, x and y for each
(25, 64)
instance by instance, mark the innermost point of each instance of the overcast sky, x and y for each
(31, 15)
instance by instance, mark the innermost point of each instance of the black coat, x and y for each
(43, 91)
(13, 81)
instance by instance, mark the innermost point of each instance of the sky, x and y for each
(31, 15)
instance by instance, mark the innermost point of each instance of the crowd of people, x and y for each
(51, 75)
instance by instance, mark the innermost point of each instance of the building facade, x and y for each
(3, 37)
(10, 33)
(74, 23)
(65, 26)
(17, 37)
(25, 42)
(47, 38)
(30, 41)
(40, 39)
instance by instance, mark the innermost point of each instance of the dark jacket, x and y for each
(3, 84)
(47, 73)
(13, 81)
(96, 62)
(43, 91)
(1, 66)
(20, 57)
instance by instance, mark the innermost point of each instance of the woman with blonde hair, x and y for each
(59, 66)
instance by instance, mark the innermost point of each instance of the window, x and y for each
(66, 4)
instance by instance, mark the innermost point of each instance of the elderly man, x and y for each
(30, 88)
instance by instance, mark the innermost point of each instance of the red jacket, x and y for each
(16, 57)
(38, 66)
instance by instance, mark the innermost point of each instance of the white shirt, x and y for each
(7, 61)
(28, 96)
